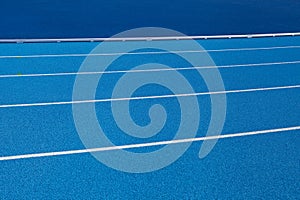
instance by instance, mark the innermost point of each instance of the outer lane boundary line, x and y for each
(149, 38)
(150, 97)
(149, 53)
(150, 144)
(150, 70)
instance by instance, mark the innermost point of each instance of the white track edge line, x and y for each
(149, 97)
(150, 38)
(150, 70)
(149, 53)
(150, 144)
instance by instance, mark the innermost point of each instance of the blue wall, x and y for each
(98, 18)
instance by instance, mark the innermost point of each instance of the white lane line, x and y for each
(150, 70)
(148, 53)
(149, 97)
(150, 144)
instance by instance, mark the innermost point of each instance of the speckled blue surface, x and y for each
(264, 166)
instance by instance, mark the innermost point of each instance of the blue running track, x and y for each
(262, 166)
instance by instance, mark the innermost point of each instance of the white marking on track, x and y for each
(150, 70)
(148, 53)
(150, 97)
(150, 144)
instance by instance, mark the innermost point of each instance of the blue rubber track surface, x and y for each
(250, 167)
